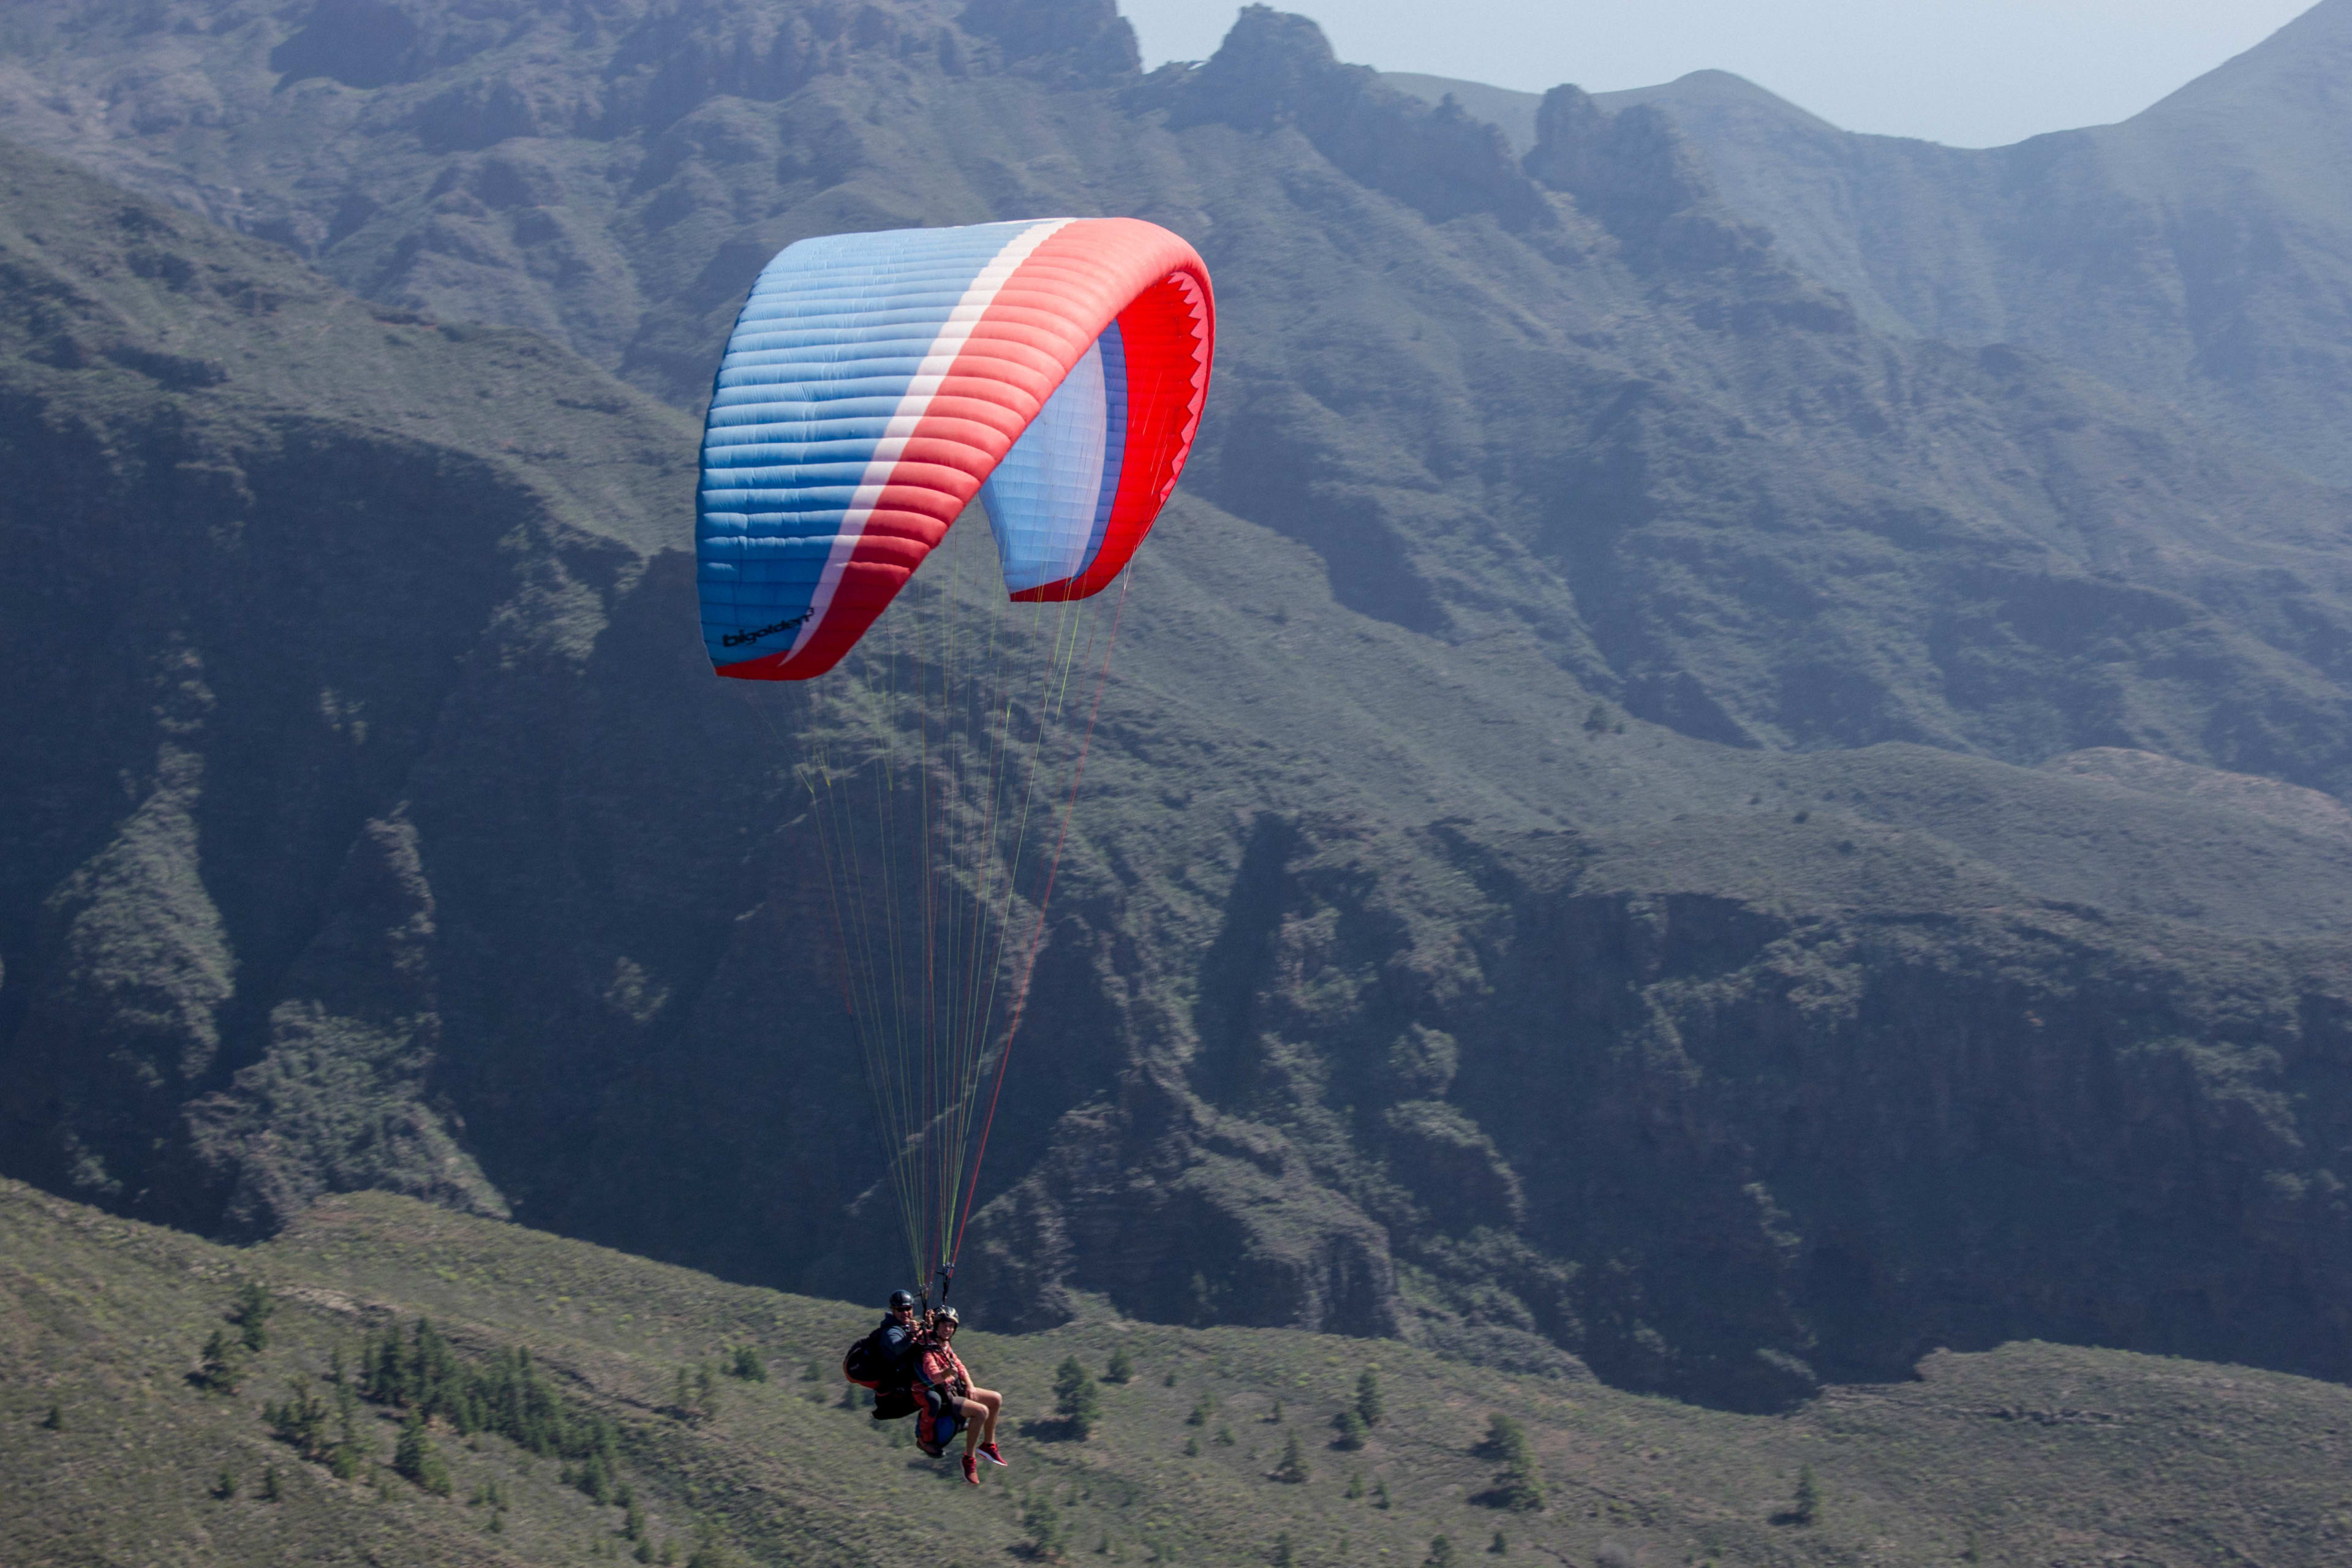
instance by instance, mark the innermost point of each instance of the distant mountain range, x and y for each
(1654, 808)
(2196, 254)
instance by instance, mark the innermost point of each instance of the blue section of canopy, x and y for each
(819, 362)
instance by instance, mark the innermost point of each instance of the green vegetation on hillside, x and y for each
(1999, 1457)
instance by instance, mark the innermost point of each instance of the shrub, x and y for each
(747, 1366)
(698, 1393)
(710, 1551)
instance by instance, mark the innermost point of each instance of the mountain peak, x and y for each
(2301, 71)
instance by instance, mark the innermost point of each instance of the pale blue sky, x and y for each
(1972, 73)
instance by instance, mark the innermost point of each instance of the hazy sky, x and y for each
(1972, 73)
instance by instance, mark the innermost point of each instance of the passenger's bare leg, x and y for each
(994, 1402)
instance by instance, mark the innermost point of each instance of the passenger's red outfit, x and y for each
(942, 1375)
(951, 1403)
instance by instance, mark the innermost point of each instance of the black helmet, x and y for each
(946, 1318)
(902, 1300)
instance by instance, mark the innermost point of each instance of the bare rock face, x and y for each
(126, 1018)
(338, 1101)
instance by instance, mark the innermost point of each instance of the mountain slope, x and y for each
(1983, 1457)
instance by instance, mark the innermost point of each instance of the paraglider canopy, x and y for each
(876, 383)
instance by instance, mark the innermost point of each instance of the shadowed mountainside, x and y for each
(1565, 870)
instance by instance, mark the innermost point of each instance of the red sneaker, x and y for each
(972, 1470)
(988, 1451)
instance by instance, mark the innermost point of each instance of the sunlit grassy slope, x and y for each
(2034, 1453)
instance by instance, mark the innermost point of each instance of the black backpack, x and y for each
(866, 1364)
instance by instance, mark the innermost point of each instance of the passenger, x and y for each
(951, 1402)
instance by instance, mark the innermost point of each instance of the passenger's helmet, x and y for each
(946, 1318)
(902, 1300)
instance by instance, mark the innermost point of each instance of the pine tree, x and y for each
(1075, 1396)
(1273, 1416)
(1498, 1547)
(1292, 1469)
(1368, 1403)
(345, 1460)
(1351, 1431)
(1518, 1485)
(1283, 1555)
(1355, 1484)
(224, 1485)
(1121, 1368)
(1380, 1495)
(1441, 1554)
(1192, 1447)
(251, 1315)
(301, 1421)
(747, 1366)
(221, 1366)
(270, 1489)
(1048, 1532)
(55, 1421)
(417, 1460)
(1806, 1509)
